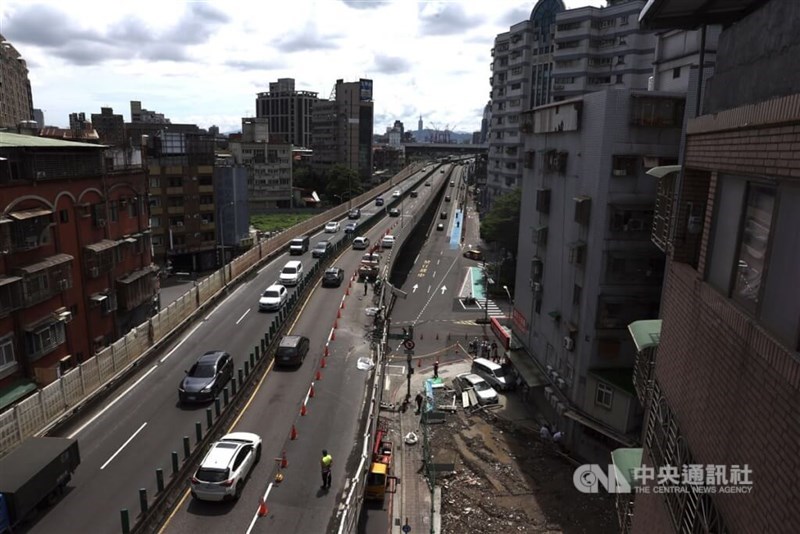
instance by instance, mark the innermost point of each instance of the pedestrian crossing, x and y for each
(493, 310)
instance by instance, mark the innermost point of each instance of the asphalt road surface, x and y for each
(133, 433)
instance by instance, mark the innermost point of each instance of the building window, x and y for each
(576, 295)
(623, 20)
(657, 112)
(577, 253)
(543, 200)
(604, 396)
(759, 207)
(599, 80)
(619, 78)
(624, 165)
(113, 209)
(631, 220)
(676, 72)
(133, 207)
(63, 216)
(44, 339)
(7, 359)
(583, 206)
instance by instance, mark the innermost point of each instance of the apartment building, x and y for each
(586, 267)
(600, 47)
(268, 164)
(16, 100)
(342, 128)
(720, 379)
(182, 201)
(110, 127)
(288, 112)
(75, 263)
(521, 63)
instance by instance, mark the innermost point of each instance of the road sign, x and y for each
(409, 344)
(406, 528)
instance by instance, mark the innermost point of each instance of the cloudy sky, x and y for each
(204, 61)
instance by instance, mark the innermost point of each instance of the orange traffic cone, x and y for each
(303, 409)
(335, 324)
(333, 335)
(319, 376)
(262, 508)
(326, 352)
(322, 364)
(293, 435)
(339, 313)
(347, 291)
(311, 392)
(284, 461)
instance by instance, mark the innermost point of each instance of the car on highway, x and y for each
(273, 298)
(394, 212)
(473, 254)
(396, 193)
(443, 215)
(349, 228)
(379, 201)
(333, 277)
(447, 198)
(452, 183)
(205, 379)
(441, 171)
(485, 393)
(292, 273)
(299, 245)
(440, 227)
(427, 184)
(332, 227)
(292, 350)
(360, 243)
(355, 213)
(321, 249)
(387, 241)
(414, 194)
(226, 467)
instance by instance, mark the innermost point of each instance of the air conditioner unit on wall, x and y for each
(561, 383)
(569, 343)
(94, 272)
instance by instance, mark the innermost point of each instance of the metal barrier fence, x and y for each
(41, 410)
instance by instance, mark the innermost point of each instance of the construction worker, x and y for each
(325, 464)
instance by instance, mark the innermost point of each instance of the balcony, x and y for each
(646, 336)
(155, 191)
(175, 190)
(177, 210)
(156, 210)
(46, 278)
(136, 288)
(10, 294)
(206, 188)
(207, 207)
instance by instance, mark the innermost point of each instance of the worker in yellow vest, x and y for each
(325, 463)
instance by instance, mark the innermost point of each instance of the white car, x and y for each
(273, 298)
(387, 241)
(396, 193)
(485, 393)
(332, 227)
(291, 274)
(226, 466)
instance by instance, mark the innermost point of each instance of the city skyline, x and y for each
(426, 58)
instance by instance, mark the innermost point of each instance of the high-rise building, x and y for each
(38, 116)
(719, 374)
(268, 164)
(485, 121)
(139, 114)
(16, 102)
(521, 64)
(343, 128)
(288, 111)
(419, 128)
(110, 127)
(75, 273)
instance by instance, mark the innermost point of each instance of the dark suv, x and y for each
(355, 213)
(292, 350)
(206, 378)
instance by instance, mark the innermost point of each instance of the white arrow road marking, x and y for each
(444, 288)
(414, 288)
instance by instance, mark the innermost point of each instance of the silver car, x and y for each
(226, 466)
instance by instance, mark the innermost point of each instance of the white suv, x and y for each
(332, 227)
(387, 241)
(485, 393)
(291, 274)
(273, 298)
(226, 466)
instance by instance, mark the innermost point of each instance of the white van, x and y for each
(493, 373)
(292, 273)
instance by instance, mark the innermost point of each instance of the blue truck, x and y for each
(34, 475)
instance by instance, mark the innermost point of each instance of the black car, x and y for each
(321, 249)
(292, 350)
(414, 194)
(394, 212)
(355, 213)
(443, 215)
(447, 198)
(333, 277)
(206, 378)
(379, 201)
(350, 228)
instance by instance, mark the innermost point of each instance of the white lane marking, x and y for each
(123, 446)
(218, 306)
(415, 260)
(434, 274)
(437, 262)
(242, 317)
(255, 516)
(181, 342)
(112, 403)
(435, 290)
(429, 289)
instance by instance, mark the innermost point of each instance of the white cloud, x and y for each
(204, 62)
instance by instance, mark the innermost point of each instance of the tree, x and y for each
(305, 177)
(500, 226)
(342, 183)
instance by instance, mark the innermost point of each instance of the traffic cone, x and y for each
(421, 336)
(326, 351)
(303, 409)
(293, 434)
(262, 508)
(322, 364)
(319, 376)
(333, 335)
(347, 291)
(284, 461)
(311, 392)
(339, 313)
(437, 335)
(335, 324)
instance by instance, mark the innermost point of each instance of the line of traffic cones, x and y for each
(293, 433)
(303, 410)
(262, 508)
(311, 392)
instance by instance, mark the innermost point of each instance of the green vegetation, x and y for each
(278, 221)
(501, 225)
